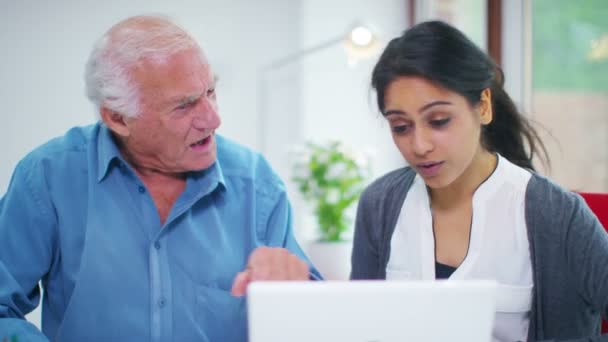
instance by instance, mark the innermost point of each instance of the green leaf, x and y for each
(334, 183)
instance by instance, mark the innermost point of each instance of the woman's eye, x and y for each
(440, 123)
(399, 129)
(211, 92)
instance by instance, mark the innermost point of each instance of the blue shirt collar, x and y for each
(109, 155)
(107, 152)
(206, 181)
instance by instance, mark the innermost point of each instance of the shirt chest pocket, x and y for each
(222, 316)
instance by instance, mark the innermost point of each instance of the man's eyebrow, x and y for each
(188, 99)
(180, 100)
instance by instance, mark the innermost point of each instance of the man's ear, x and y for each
(486, 113)
(115, 122)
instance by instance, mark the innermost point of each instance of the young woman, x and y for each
(470, 205)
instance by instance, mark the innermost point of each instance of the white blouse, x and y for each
(498, 247)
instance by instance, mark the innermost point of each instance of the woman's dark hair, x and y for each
(443, 55)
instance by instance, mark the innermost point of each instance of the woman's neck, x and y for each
(460, 192)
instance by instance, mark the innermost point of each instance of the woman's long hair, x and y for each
(438, 52)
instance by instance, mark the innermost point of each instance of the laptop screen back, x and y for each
(371, 311)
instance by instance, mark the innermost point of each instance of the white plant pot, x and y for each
(332, 259)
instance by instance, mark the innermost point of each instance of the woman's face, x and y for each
(436, 130)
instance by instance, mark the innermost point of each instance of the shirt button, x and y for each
(157, 245)
(161, 303)
(141, 189)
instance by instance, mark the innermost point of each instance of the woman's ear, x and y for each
(115, 122)
(485, 107)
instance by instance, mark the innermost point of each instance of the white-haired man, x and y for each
(147, 225)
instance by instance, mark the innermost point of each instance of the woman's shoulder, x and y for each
(554, 209)
(395, 182)
(544, 193)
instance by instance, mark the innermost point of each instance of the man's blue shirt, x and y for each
(77, 217)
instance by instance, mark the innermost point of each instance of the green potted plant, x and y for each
(330, 177)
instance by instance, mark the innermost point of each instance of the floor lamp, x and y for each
(359, 42)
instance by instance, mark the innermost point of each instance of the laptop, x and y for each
(371, 311)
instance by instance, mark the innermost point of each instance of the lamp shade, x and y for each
(360, 43)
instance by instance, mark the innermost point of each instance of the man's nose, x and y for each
(206, 115)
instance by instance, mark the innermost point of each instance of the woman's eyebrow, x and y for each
(422, 109)
(432, 104)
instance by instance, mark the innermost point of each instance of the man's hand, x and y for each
(267, 263)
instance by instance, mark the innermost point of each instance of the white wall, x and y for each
(337, 101)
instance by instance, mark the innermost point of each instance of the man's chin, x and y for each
(202, 165)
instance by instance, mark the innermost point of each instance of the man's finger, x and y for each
(265, 263)
(261, 256)
(239, 286)
(297, 269)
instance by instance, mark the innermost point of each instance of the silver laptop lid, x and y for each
(371, 311)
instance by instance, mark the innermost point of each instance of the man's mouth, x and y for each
(201, 143)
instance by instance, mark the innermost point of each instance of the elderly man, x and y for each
(147, 226)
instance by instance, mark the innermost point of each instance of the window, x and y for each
(569, 93)
(470, 16)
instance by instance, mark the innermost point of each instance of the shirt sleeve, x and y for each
(26, 250)
(279, 232)
(587, 255)
(586, 249)
(365, 257)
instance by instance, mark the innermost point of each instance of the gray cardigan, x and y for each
(568, 248)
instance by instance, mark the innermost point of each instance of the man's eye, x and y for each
(211, 92)
(182, 106)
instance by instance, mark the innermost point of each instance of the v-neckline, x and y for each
(477, 229)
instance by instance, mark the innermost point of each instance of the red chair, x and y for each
(598, 203)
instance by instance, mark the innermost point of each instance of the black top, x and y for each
(443, 271)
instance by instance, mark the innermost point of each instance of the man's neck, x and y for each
(164, 188)
(148, 172)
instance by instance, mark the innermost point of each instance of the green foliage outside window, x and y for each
(569, 39)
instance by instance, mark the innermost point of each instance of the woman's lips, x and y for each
(429, 169)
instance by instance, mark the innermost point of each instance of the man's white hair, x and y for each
(108, 71)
